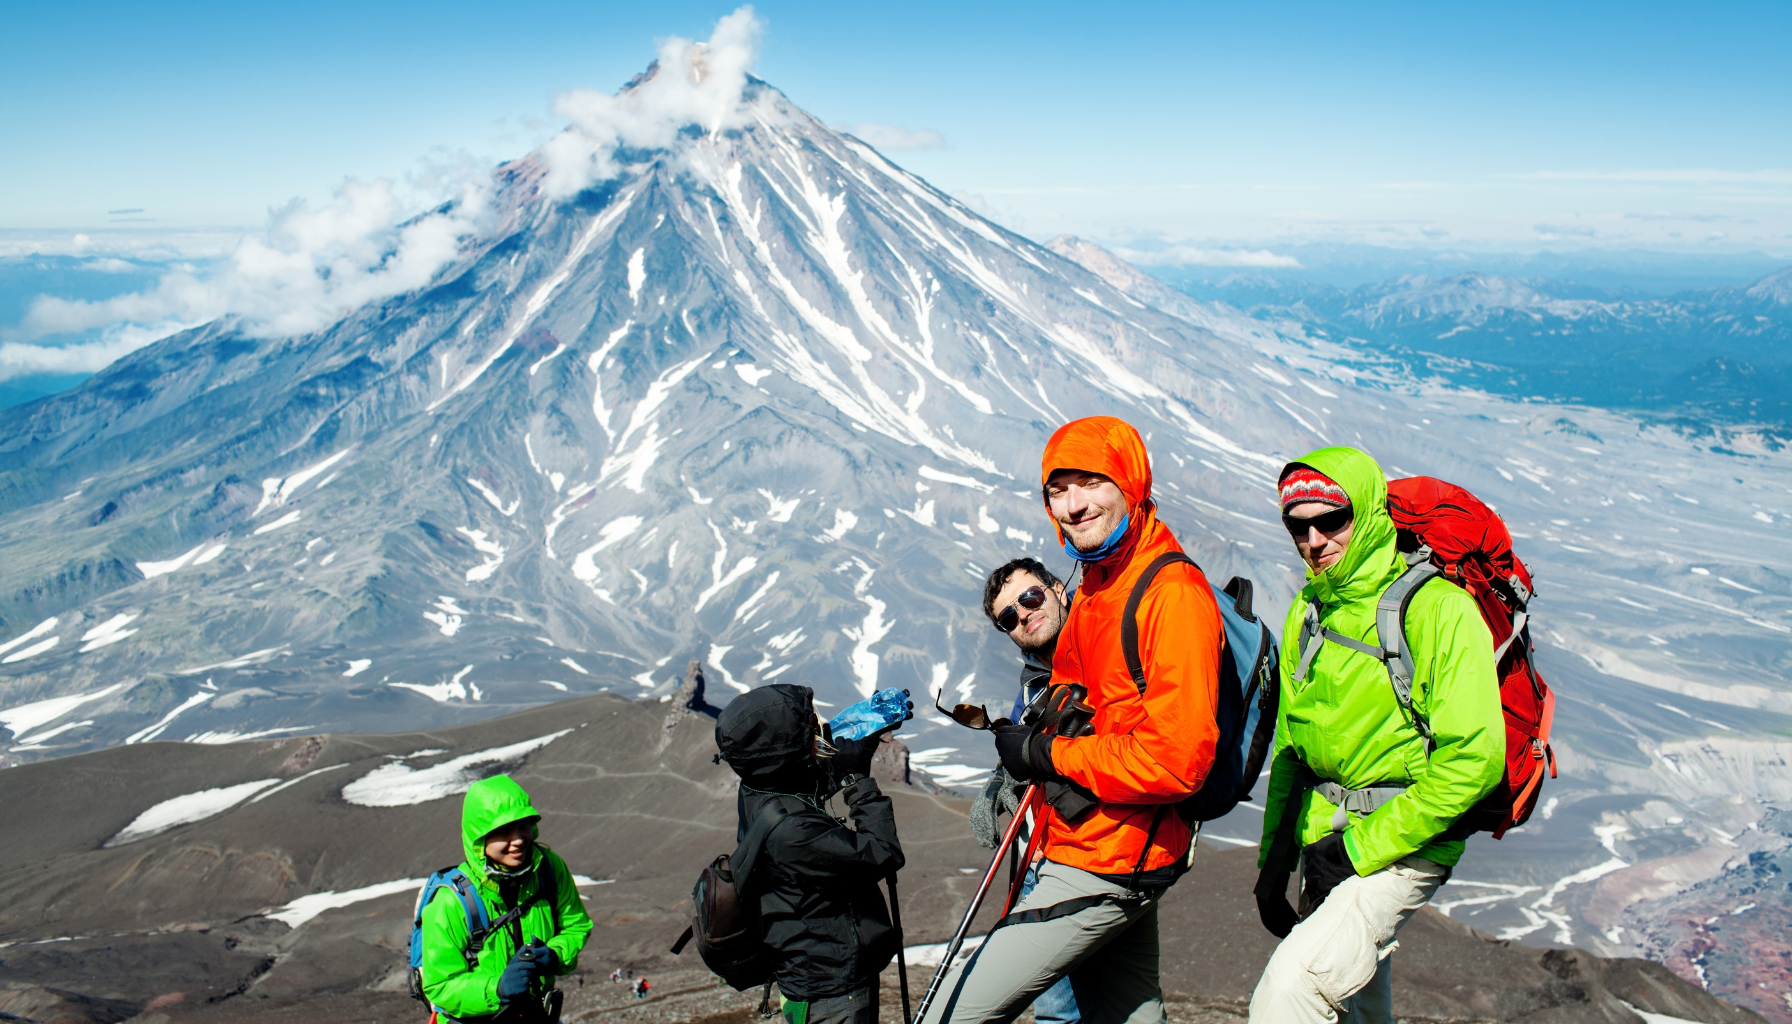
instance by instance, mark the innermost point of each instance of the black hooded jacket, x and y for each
(816, 880)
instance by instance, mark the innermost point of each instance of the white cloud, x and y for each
(1191, 256)
(312, 266)
(894, 138)
(1684, 174)
(308, 269)
(159, 244)
(692, 84)
(20, 359)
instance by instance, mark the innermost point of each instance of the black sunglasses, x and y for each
(1009, 617)
(971, 716)
(1325, 522)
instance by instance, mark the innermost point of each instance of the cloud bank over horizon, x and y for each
(310, 267)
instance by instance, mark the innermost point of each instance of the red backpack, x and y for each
(1446, 531)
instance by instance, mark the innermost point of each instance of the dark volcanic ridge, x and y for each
(252, 880)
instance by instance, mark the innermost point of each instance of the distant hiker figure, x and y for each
(641, 987)
(1027, 604)
(493, 933)
(826, 929)
(1365, 793)
(1114, 842)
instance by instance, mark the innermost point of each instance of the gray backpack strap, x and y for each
(1390, 627)
(1312, 637)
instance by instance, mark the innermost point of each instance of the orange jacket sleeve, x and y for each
(1159, 749)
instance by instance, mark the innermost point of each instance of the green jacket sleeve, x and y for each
(446, 981)
(1284, 766)
(1456, 690)
(575, 924)
(1282, 773)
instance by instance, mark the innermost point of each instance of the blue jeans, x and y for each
(1056, 1005)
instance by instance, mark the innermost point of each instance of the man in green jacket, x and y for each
(498, 828)
(1365, 793)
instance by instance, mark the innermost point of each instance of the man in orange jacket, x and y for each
(1093, 914)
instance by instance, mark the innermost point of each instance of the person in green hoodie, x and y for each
(538, 926)
(1365, 792)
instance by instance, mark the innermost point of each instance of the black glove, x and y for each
(854, 756)
(1323, 866)
(1272, 902)
(519, 974)
(1027, 755)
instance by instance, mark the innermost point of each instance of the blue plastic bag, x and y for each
(876, 713)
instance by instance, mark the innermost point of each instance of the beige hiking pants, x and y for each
(1334, 965)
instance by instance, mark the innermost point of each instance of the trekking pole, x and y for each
(901, 954)
(964, 926)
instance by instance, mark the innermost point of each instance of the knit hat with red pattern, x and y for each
(1304, 484)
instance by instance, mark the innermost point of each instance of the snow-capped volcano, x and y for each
(757, 399)
(758, 396)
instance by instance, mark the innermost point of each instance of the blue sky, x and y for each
(1179, 126)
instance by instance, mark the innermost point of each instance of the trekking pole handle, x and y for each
(939, 975)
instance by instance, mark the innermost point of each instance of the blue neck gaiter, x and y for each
(1107, 546)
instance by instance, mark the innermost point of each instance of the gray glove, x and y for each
(1000, 796)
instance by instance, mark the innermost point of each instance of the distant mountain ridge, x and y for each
(1709, 359)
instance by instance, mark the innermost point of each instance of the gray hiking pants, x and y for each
(1099, 933)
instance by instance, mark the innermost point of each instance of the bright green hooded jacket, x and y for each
(1343, 720)
(471, 995)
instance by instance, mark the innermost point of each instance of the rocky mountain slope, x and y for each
(764, 399)
(274, 879)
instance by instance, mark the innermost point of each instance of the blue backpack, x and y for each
(1250, 692)
(479, 923)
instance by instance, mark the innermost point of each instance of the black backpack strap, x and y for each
(746, 855)
(546, 886)
(1129, 623)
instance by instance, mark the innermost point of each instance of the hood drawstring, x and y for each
(1115, 539)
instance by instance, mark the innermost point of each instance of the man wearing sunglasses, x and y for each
(1362, 794)
(1026, 603)
(1092, 917)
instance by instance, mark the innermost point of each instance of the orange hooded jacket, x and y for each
(1144, 753)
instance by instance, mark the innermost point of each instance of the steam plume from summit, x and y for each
(691, 84)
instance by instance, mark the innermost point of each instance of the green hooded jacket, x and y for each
(1343, 720)
(449, 985)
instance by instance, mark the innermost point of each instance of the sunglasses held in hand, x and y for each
(971, 716)
(1031, 599)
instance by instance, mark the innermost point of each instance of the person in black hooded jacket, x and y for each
(816, 880)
